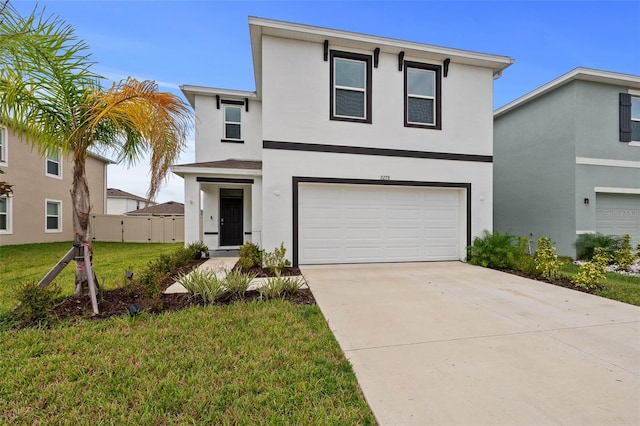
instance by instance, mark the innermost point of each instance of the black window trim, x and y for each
(368, 92)
(438, 101)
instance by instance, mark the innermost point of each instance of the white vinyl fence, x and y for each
(138, 229)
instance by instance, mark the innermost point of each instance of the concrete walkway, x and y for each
(449, 343)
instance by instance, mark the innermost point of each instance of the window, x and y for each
(3, 146)
(350, 87)
(422, 95)
(635, 119)
(232, 117)
(54, 165)
(53, 216)
(5, 215)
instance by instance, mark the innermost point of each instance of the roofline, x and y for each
(101, 158)
(190, 92)
(261, 26)
(579, 73)
(184, 170)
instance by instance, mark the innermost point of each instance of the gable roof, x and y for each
(118, 193)
(580, 73)
(260, 26)
(170, 208)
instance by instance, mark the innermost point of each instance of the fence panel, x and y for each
(138, 229)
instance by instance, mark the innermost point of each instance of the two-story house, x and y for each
(121, 202)
(353, 148)
(567, 159)
(40, 208)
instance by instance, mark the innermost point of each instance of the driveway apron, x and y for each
(450, 343)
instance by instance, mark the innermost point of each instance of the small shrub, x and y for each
(275, 261)
(546, 260)
(237, 282)
(250, 256)
(204, 284)
(197, 249)
(496, 250)
(280, 286)
(623, 257)
(586, 243)
(36, 303)
(592, 274)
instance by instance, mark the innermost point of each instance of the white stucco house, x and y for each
(352, 149)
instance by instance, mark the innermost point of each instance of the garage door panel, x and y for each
(618, 214)
(355, 224)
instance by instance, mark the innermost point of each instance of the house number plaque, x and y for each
(384, 177)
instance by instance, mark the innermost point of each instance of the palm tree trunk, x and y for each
(81, 215)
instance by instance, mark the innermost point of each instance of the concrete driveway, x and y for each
(450, 343)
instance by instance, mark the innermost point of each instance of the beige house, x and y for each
(40, 208)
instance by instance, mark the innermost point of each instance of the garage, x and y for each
(364, 223)
(618, 214)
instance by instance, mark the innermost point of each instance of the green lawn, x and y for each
(616, 286)
(31, 262)
(246, 363)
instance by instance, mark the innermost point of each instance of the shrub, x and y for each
(204, 284)
(591, 274)
(280, 286)
(237, 282)
(36, 303)
(546, 260)
(623, 257)
(250, 256)
(496, 250)
(586, 243)
(275, 261)
(197, 249)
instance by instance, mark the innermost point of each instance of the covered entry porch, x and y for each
(228, 196)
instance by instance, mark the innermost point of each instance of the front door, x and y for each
(231, 217)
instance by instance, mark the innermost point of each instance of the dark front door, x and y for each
(230, 217)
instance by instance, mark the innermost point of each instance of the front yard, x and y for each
(246, 362)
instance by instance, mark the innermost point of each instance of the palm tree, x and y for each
(50, 95)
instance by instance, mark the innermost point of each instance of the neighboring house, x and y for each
(40, 208)
(170, 208)
(353, 148)
(121, 202)
(567, 159)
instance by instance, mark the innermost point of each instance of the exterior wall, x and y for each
(296, 89)
(210, 132)
(26, 170)
(534, 169)
(123, 205)
(280, 166)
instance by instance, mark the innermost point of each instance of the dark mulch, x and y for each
(117, 301)
(560, 281)
(265, 272)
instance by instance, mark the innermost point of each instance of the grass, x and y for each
(616, 286)
(245, 363)
(31, 262)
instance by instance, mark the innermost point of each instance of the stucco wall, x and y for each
(295, 81)
(280, 166)
(534, 169)
(209, 131)
(26, 171)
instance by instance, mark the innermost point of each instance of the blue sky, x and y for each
(207, 42)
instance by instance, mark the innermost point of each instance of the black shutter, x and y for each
(625, 117)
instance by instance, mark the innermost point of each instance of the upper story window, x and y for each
(232, 123)
(350, 87)
(422, 95)
(54, 165)
(5, 215)
(635, 119)
(53, 216)
(3, 146)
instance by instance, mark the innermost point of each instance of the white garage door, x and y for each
(341, 223)
(618, 214)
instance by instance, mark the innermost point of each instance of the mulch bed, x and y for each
(117, 302)
(560, 281)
